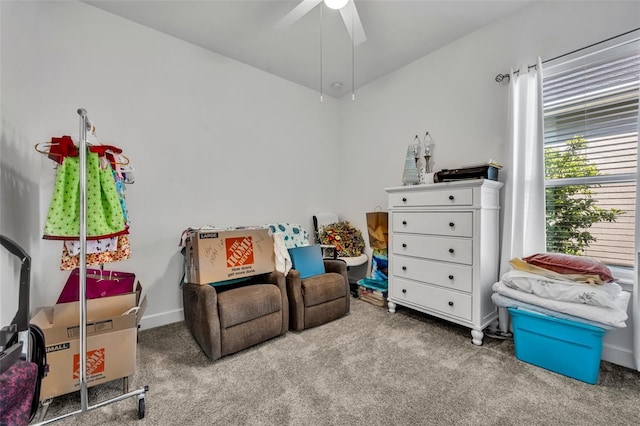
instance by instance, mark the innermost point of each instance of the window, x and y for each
(590, 146)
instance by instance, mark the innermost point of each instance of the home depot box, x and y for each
(111, 341)
(221, 255)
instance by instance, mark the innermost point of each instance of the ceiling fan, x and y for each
(347, 9)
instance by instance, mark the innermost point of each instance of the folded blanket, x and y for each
(520, 264)
(604, 295)
(614, 317)
(507, 302)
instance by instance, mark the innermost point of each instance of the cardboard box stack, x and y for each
(112, 326)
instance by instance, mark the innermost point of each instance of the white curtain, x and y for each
(524, 230)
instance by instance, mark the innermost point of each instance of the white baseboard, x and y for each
(617, 355)
(163, 318)
(617, 345)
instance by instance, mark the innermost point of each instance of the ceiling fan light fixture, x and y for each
(336, 4)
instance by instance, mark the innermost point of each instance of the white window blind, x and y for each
(590, 138)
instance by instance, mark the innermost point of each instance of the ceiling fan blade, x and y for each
(347, 12)
(296, 13)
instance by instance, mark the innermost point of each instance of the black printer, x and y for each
(488, 171)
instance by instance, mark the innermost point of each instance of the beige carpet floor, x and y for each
(368, 368)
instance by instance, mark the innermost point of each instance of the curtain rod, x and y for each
(501, 77)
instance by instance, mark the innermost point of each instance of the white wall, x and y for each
(213, 141)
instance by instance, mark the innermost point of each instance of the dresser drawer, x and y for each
(449, 275)
(454, 224)
(430, 297)
(439, 197)
(458, 250)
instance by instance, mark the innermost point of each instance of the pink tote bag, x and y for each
(99, 284)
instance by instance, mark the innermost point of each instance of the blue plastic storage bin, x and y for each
(565, 347)
(382, 286)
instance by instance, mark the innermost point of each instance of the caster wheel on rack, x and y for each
(141, 408)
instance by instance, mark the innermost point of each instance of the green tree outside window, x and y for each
(571, 210)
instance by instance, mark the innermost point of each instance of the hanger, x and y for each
(121, 159)
(59, 148)
(41, 145)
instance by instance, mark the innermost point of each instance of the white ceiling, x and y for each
(398, 32)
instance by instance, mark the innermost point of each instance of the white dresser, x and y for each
(444, 250)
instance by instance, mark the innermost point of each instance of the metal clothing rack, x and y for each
(85, 125)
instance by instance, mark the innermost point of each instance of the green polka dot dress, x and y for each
(105, 217)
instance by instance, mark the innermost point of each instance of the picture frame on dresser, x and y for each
(444, 250)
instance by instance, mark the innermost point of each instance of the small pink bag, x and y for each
(99, 284)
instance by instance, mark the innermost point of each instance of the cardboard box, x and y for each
(220, 255)
(373, 291)
(111, 341)
(370, 296)
(566, 347)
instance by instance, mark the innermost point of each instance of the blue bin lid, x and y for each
(374, 284)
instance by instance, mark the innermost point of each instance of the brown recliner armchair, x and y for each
(318, 299)
(228, 319)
